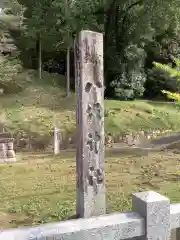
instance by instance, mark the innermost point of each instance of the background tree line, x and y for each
(136, 33)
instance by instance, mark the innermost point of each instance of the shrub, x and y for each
(158, 79)
(9, 70)
(173, 72)
(125, 77)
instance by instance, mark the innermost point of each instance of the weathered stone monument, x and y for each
(90, 124)
(7, 154)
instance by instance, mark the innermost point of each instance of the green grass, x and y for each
(40, 188)
(33, 110)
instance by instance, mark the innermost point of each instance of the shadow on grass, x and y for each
(163, 103)
(47, 156)
(73, 217)
(116, 152)
(28, 222)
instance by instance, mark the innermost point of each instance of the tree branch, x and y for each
(122, 31)
(129, 8)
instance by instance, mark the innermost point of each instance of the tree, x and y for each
(54, 33)
(130, 27)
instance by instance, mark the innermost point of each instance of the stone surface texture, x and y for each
(155, 208)
(109, 227)
(175, 220)
(90, 124)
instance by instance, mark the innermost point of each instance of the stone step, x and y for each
(6, 140)
(5, 135)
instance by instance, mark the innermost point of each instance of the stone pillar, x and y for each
(90, 124)
(155, 208)
(56, 141)
(3, 152)
(11, 157)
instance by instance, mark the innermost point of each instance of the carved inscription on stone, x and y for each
(95, 176)
(87, 50)
(98, 111)
(97, 142)
(95, 60)
(88, 87)
(89, 112)
(95, 111)
(94, 141)
(95, 116)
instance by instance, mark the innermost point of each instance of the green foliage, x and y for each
(9, 70)
(173, 72)
(56, 21)
(173, 96)
(158, 79)
(133, 76)
(163, 46)
(133, 27)
(134, 31)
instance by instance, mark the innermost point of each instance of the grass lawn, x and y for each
(41, 188)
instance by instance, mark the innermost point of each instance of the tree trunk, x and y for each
(39, 58)
(68, 73)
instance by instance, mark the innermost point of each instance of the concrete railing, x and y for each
(153, 217)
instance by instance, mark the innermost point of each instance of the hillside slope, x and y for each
(31, 113)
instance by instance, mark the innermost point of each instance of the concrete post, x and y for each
(155, 208)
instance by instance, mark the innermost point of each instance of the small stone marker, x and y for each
(90, 124)
(56, 140)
